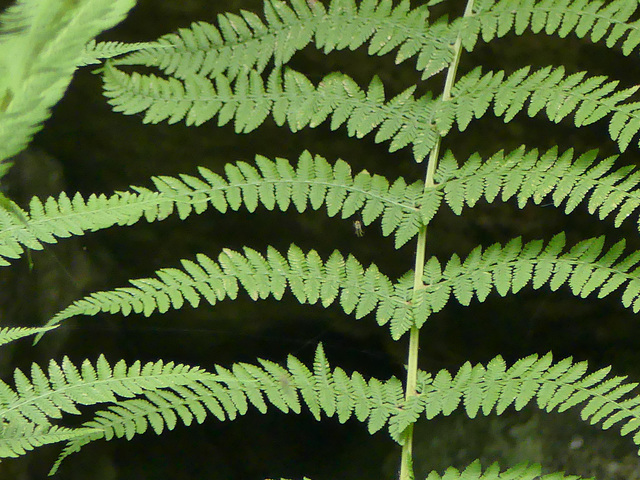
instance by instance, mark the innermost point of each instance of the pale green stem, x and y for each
(406, 463)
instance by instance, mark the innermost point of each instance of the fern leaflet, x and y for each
(512, 267)
(546, 90)
(245, 41)
(359, 290)
(595, 20)
(362, 291)
(332, 392)
(9, 334)
(529, 175)
(289, 97)
(313, 182)
(522, 471)
(41, 44)
(292, 99)
(95, 52)
(558, 386)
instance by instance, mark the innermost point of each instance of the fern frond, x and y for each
(595, 20)
(294, 100)
(554, 386)
(361, 291)
(521, 471)
(289, 97)
(228, 393)
(585, 268)
(332, 392)
(311, 280)
(303, 478)
(546, 90)
(95, 52)
(9, 334)
(40, 45)
(311, 183)
(245, 41)
(527, 175)
(47, 396)
(17, 438)
(242, 42)
(473, 471)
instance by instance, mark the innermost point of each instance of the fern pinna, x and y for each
(238, 70)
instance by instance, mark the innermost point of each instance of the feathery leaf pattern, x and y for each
(593, 20)
(332, 392)
(236, 70)
(292, 99)
(10, 334)
(245, 41)
(312, 183)
(311, 280)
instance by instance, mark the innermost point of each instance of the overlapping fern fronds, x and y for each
(217, 71)
(47, 396)
(311, 183)
(27, 412)
(292, 99)
(17, 438)
(331, 392)
(229, 393)
(41, 45)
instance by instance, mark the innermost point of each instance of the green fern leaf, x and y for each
(529, 175)
(313, 182)
(94, 52)
(358, 289)
(227, 393)
(522, 471)
(595, 21)
(42, 45)
(9, 334)
(511, 267)
(241, 42)
(554, 386)
(547, 89)
(292, 99)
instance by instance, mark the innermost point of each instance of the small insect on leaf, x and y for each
(358, 228)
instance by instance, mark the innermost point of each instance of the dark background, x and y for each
(86, 147)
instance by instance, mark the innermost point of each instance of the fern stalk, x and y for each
(406, 464)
